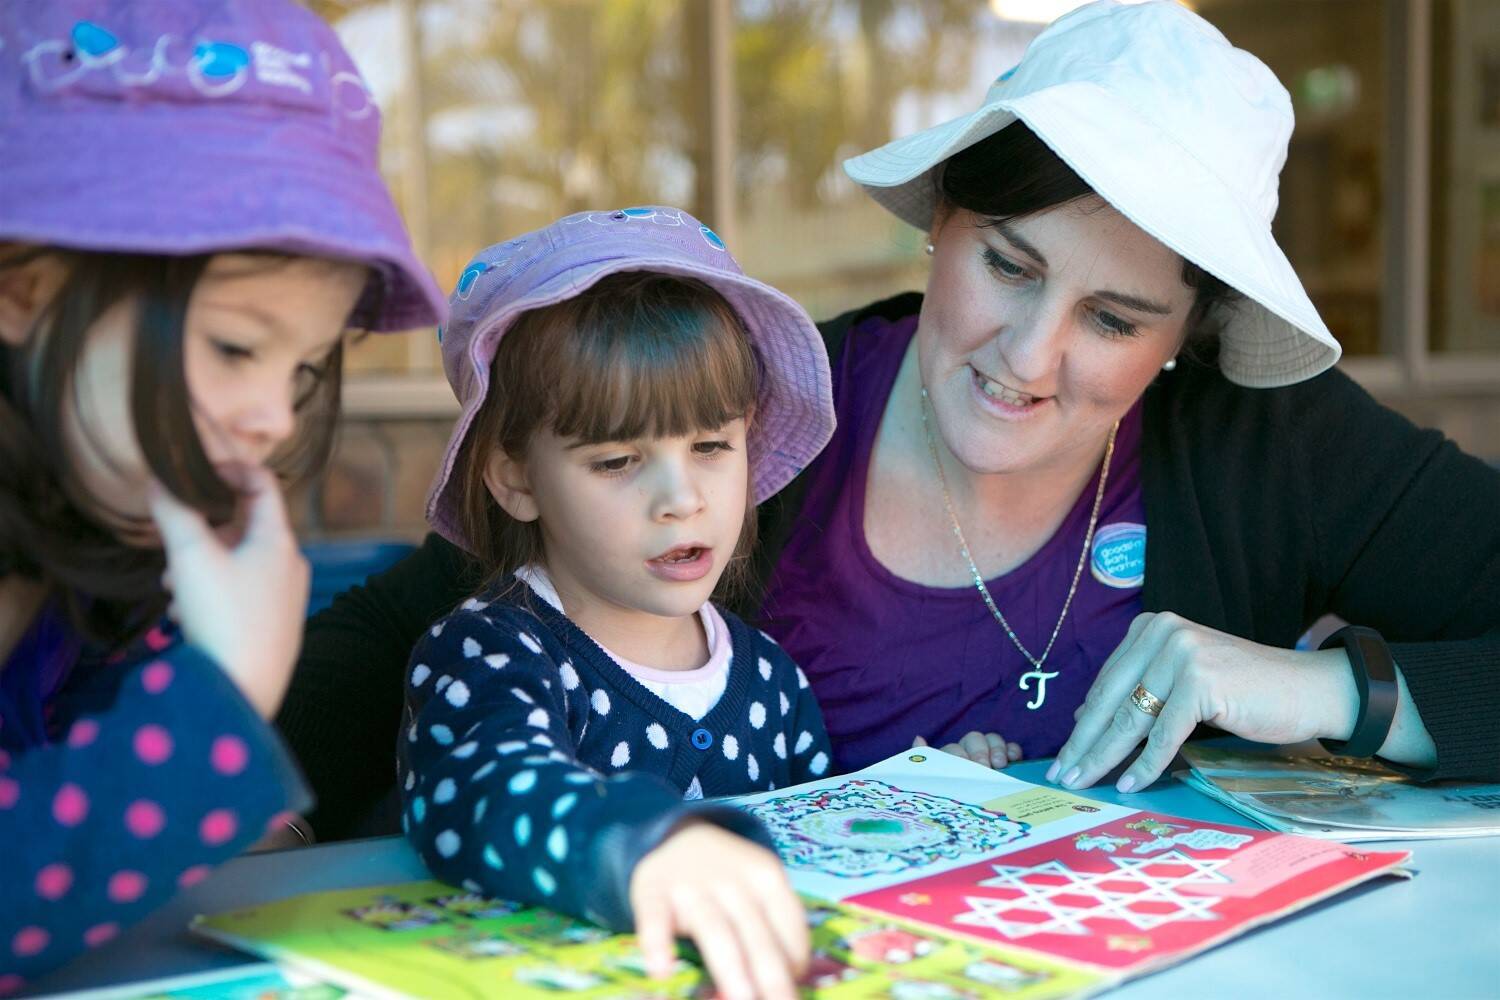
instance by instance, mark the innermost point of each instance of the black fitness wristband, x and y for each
(1375, 677)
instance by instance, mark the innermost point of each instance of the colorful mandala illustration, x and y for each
(866, 827)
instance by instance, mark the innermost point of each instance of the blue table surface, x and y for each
(1436, 935)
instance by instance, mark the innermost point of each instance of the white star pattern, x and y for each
(819, 763)
(497, 661)
(419, 674)
(803, 742)
(569, 676)
(731, 747)
(757, 715)
(1103, 892)
(779, 746)
(458, 694)
(621, 756)
(472, 647)
(538, 718)
(600, 700)
(765, 669)
(656, 736)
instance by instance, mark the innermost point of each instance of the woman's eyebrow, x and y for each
(1135, 302)
(1020, 242)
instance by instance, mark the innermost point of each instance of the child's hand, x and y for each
(732, 897)
(989, 749)
(240, 601)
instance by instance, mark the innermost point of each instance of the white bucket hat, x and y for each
(1184, 134)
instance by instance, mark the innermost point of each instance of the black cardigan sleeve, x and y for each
(343, 707)
(1268, 508)
(1407, 528)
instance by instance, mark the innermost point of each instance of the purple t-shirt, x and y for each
(890, 659)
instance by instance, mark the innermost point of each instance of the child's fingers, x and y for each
(265, 510)
(975, 748)
(919, 742)
(770, 964)
(653, 932)
(181, 526)
(711, 931)
(997, 754)
(788, 920)
(1013, 751)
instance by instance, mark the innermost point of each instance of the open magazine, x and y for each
(926, 877)
(1307, 791)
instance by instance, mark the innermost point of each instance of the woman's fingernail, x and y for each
(1126, 783)
(1071, 776)
(1052, 771)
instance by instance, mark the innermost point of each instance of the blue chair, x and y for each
(337, 566)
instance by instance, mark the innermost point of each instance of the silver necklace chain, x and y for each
(963, 544)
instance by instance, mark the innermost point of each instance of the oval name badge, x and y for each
(1119, 557)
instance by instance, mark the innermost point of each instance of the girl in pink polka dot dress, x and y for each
(185, 236)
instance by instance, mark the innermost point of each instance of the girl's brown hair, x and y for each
(638, 354)
(109, 589)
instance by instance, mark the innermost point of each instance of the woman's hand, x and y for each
(989, 749)
(241, 600)
(1261, 693)
(732, 897)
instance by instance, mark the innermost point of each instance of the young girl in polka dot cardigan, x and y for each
(181, 251)
(628, 396)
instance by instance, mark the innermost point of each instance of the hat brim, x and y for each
(1274, 337)
(794, 411)
(156, 197)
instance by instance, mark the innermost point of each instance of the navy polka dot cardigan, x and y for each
(535, 768)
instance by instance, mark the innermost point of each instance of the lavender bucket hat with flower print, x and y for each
(794, 412)
(185, 127)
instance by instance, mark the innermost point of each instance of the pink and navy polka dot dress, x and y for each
(122, 780)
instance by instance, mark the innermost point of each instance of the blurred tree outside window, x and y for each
(519, 111)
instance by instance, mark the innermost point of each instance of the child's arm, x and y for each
(495, 797)
(172, 773)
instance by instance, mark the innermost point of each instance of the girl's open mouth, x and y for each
(682, 564)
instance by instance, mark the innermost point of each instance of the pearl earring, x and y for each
(930, 248)
(1171, 365)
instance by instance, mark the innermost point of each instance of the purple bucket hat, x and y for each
(183, 127)
(794, 413)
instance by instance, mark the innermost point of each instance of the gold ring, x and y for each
(1146, 701)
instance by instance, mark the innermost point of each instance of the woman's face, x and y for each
(1039, 333)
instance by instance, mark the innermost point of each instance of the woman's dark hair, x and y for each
(110, 590)
(638, 354)
(1013, 174)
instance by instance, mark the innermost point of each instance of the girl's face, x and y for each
(256, 333)
(645, 526)
(1038, 333)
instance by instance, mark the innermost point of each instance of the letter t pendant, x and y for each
(1041, 677)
